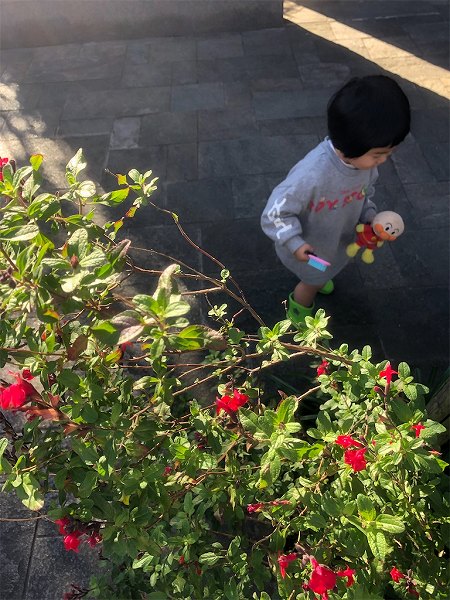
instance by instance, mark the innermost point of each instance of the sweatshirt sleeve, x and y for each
(369, 209)
(280, 221)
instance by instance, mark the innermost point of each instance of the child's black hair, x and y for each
(368, 112)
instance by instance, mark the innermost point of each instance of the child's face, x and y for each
(371, 159)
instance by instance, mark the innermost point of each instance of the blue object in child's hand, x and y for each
(318, 263)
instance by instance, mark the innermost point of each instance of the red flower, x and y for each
(387, 373)
(349, 574)
(16, 395)
(3, 161)
(62, 524)
(27, 374)
(181, 560)
(94, 539)
(396, 574)
(230, 404)
(167, 471)
(284, 560)
(322, 368)
(346, 441)
(418, 428)
(254, 507)
(355, 458)
(322, 579)
(72, 541)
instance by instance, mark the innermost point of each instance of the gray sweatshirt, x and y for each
(320, 203)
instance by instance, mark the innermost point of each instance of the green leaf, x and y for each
(43, 207)
(89, 414)
(142, 562)
(366, 353)
(3, 446)
(88, 484)
(390, 523)
(69, 379)
(286, 410)
(77, 244)
(106, 333)
(209, 558)
(3, 462)
(36, 161)
(431, 429)
(248, 419)
(410, 391)
(292, 427)
(177, 309)
(60, 478)
(403, 370)
(275, 467)
(115, 197)
(354, 521)
(76, 164)
(324, 424)
(70, 284)
(87, 453)
(19, 233)
(165, 284)
(28, 491)
(377, 543)
(330, 505)
(144, 382)
(401, 410)
(96, 258)
(134, 175)
(86, 189)
(190, 338)
(366, 508)
(188, 505)
(147, 304)
(7, 172)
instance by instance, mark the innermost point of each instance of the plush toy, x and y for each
(386, 227)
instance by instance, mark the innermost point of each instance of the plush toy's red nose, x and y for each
(382, 234)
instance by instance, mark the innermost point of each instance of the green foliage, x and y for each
(191, 499)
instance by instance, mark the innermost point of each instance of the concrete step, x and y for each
(30, 23)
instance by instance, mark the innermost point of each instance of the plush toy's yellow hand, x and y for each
(359, 227)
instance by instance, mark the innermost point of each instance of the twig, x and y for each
(23, 519)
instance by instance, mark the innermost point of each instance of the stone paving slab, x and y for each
(221, 119)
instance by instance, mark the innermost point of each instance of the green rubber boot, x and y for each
(328, 288)
(296, 312)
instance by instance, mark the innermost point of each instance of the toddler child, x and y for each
(325, 195)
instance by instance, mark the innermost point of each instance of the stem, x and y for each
(17, 520)
(204, 380)
(9, 260)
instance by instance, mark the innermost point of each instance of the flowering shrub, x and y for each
(188, 478)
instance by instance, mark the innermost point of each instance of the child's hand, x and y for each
(301, 253)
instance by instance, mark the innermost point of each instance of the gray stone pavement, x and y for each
(221, 119)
